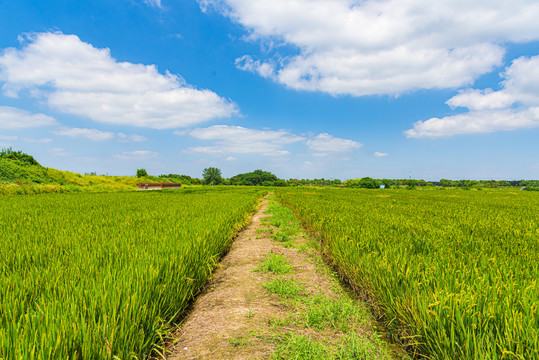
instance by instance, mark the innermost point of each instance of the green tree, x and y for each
(257, 177)
(212, 176)
(368, 183)
(142, 172)
(446, 182)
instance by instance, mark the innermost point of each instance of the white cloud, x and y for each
(481, 99)
(515, 106)
(37, 141)
(475, 122)
(381, 46)
(239, 140)
(320, 155)
(13, 118)
(380, 154)
(76, 78)
(324, 143)
(25, 139)
(136, 155)
(131, 138)
(98, 135)
(91, 134)
(154, 3)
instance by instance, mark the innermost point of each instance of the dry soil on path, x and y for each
(232, 317)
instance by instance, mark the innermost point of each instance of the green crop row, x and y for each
(103, 276)
(456, 274)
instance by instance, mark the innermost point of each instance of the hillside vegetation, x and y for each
(21, 174)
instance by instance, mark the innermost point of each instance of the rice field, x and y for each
(103, 276)
(455, 273)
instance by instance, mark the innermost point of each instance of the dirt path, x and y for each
(236, 317)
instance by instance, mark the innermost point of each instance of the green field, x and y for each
(98, 276)
(455, 273)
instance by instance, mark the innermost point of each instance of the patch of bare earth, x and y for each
(232, 318)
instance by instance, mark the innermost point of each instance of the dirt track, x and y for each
(232, 318)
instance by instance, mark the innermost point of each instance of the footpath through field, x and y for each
(273, 297)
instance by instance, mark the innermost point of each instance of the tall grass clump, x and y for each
(456, 274)
(103, 276)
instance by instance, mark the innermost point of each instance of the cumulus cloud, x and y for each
(91, 134)
(37, 141)
(131, 138)
(324, 143)
(240, 140)
(98, 135)
(25, 139)
(380, 47)
(481, 99)
(13, 118)
(154, 3)
(515, 106)
(380, 154)
(76, 78)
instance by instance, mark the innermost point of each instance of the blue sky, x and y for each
(305, 88)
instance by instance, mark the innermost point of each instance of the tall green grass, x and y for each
(102, 276)
(456, 273)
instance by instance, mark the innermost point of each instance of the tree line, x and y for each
(213, 176)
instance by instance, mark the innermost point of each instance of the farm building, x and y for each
(158, 186)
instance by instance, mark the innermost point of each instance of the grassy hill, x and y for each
(21, 174)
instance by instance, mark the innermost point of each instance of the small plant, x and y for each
(284, 239)
(275, 263)
(356, 347)
(286, 288)
(250, 314)
(300, 347)
(240, 341)
(338, 314)
(303, 248)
